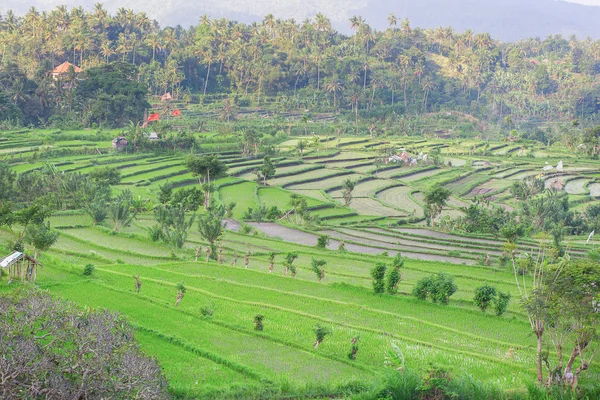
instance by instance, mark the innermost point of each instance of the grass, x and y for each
(223, 356)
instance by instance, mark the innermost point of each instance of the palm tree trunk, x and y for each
(207, 76)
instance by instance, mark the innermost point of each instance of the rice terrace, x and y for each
(257, 244)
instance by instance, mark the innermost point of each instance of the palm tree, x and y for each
(207, 59)
(392, 20)
(334, 86)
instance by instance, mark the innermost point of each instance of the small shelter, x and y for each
(152, 136)
(119, 143)
(61, 72)
(20, 267)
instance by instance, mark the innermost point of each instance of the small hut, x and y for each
(20, 267)
(119, 143)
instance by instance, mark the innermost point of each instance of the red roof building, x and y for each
(63, 69)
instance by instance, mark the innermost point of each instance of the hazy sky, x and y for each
(588, 2)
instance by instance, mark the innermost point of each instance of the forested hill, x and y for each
(370, 76)
(508, 20)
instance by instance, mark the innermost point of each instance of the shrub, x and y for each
(320, 333)
(88, 270)
(422, 288)
(49, 342)
(354, 349)
(394, 277)
(501, 303)
(439, 287)
(258, 322)
(155, 233)
(443, 288)
(484, 295)
(317, 267)
(378, 274)
(207, 311)
(436, 384)
(323, 241)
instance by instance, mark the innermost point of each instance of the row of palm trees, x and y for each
(417, 68)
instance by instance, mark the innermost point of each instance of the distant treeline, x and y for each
(400, 71)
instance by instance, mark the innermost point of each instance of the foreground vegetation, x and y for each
(304, 294)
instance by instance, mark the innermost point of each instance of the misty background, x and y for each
(508, 20)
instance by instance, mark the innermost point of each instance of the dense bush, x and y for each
(378, 274)
(51, 349)
(484, 295)
(438, 287)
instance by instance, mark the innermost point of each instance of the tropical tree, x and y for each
(347, 189)
(320, 333)
(317, 266)
(120, 211)
(435, 200)
(394, 276)
(378, 275)
(173, 224)
(210, 226)
(206, 168)
(266, 171)
(41, 237)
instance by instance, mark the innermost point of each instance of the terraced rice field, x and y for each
(399, 197)
(325, 182)
(594, 189)
(223, 356)
(419, 175)
(368, 206)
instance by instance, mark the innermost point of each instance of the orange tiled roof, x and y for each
(64, 68)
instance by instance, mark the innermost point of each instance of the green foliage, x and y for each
(323, 241)
(165, 191)
(422, 288)
(439, 287)
(173, 224)
(97, 208)
(299, 207)
(288, 262)
(261, 213)
(347, 189)
(266, 171)
(436, 385)
(206, 168)
(435, 200)
(181, 287)
(354, 349)
(320, 333)
(88, 270)
(317, 265)
(501, 303)
(112, 95)
(527, 188)
(229, 209)
(206, 311)
(210, 226)
(378, 275)
(106, 176)
(120, 210)
(484, 295)
(41, 236)
(394, 275)
(258, 322)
